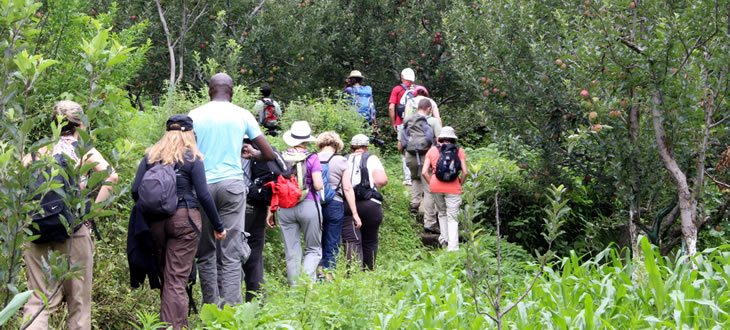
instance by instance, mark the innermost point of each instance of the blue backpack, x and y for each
(361, 101)
(327, 194)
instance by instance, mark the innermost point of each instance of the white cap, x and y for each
(408, 74)
(360, 140)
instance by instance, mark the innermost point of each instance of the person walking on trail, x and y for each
(220, 127)
(76, 290)
(445, 169)
(340, 186)
(399, 96)
(362, 98)
(367, 175)
(304, 218)
(417, 136)
(412, 105)
(176, 236)
(268, 111)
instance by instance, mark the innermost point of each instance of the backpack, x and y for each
(408, 95)
(269, 112)
(361, 101)
(327, 194)
(158, 190)
(263, 173)
(364, 190)
(290, 187)
(448, 165)
(54, 219)
(417, 134)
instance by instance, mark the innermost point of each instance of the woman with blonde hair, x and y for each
(76, 289)
(333, 212)
(176, 237)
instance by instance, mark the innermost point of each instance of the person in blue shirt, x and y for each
(220, 127)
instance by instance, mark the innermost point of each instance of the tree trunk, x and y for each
(687, 205)
(170, 47)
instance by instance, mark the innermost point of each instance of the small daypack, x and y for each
(408, 95)
(417, 134)
(269, 112)
(361, 101)
(158, 190)
(263, 173)
(448, 165)
(290, 188)
(363, 190)
(54, 219)
(327, 194)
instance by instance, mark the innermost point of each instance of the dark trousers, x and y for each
(332, 215)
(253, 269)
(363, 242)
(175, 245)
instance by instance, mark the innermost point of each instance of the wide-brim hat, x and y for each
(355, 74)
(447, 132)
(299, 133)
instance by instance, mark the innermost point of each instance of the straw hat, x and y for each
(355, 74)
(300, 132)
(447, 132)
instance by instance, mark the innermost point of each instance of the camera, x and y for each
(374, 140)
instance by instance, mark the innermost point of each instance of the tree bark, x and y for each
(687, 204)
(170, 47)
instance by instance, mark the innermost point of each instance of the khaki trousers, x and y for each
(76, 290)
(421, 191)
(448, 208)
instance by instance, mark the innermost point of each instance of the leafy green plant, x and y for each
(148, 321)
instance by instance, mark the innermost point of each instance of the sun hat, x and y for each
(447, 132)
(300, 132)
(408, 74)
(355, 74)
(360, 140)
(419, 88)
(179, 123)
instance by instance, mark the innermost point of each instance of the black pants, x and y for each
(362, 242)
(253, 269)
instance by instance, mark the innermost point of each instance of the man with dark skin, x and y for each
(220, 127)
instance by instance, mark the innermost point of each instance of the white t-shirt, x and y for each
(412, 105)
(373, 164)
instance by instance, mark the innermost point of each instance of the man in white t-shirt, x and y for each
(220, 127)
(268, 111)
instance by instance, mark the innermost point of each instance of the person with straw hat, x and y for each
(445, 169)
(305, 217)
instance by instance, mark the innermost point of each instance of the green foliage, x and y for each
(148, 321)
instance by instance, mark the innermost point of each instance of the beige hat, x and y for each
(408, 74)
(447, 132)
(300, 132)
(360, 140)
(355, 74)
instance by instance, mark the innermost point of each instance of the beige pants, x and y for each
(421, 190)
(76, 290)
(448, 208)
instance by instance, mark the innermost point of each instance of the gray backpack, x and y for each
(417, 134)
(158, 190)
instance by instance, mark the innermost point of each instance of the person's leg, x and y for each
(440, 202)
(231, 205)
(290, 235)
(253, 268)
(406, 172)
(33, 257)
(309, 221)
(453, 202)
(417, 182)
(430, 213)
(207, 260)
(77, 289)
(351, 237)
(182, 243)
(373, 217)
(333, 213)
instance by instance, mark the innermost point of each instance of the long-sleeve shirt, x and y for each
(190, 175)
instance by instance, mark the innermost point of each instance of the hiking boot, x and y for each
(414, 210)
(433, 230)
(407, 182)
(444, 245)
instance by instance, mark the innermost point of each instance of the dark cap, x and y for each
(179, 123)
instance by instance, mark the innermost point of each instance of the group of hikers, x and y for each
(216, 159)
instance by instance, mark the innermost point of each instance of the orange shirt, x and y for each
(438, 186)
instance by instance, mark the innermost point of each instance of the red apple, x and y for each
(558, 62)
(486, 92)
(585, 94)
(423, 54)
(134, 17)
(632, 5)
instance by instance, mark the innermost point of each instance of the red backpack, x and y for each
(269, 110)
(290, 188)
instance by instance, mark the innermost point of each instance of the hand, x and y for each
(395, 129)
(400, 146)
(271, 220)
(358, 222)
(220, 236)
(248, 152)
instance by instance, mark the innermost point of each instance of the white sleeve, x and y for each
(374, 164)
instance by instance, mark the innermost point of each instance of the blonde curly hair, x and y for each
(70, 112)
(330, 139)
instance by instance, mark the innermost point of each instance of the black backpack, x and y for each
(158, 190)
(262, 173)
(448, 166)
(363, 190)
(52, 222)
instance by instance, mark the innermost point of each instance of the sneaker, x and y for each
(407, 182)
(444, 245)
